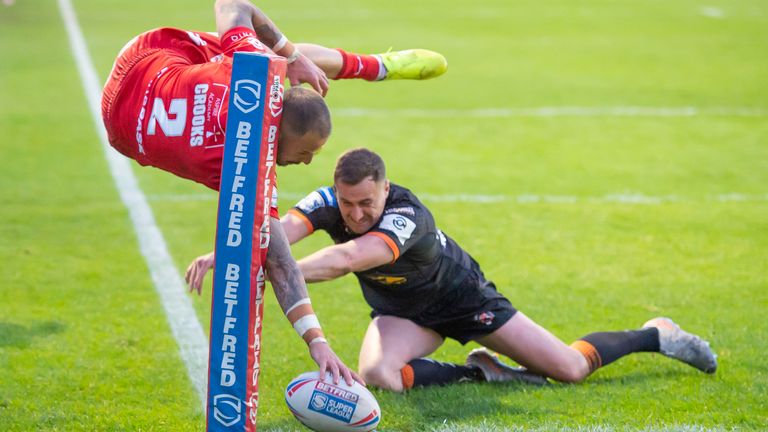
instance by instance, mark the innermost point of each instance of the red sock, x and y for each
(358, 66)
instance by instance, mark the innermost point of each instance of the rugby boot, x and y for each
(678, 344)
(495, 371)
(414, 64)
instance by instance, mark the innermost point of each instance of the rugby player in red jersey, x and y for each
(423, 287)
(165, 102)
(165, 105)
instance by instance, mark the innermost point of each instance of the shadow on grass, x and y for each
(436, 406)
(442, 408)
(282, 426)
(18, 336)
(662, 374)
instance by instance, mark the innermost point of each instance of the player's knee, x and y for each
(383, 377)
(570, 372)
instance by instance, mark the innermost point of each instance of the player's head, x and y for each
(361, 185)
(304, 128)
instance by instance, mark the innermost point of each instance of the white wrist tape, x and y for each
(303, 324)
(318, 339)
(280, 44)
(297, 304)
(292, 58)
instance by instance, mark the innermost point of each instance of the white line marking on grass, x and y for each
(618, 198)
(712, 12)
(185, 326)
(556, 111)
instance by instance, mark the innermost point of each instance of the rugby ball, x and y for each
(326, 407)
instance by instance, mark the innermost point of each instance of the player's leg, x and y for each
(532, 346)
(415, 64)
(540, 351)
(389, 344)
(391, 356)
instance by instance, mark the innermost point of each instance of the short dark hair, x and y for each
(304, 111)
(354, 166)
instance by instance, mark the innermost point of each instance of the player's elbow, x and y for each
(224, 5)
(357, 262)
(239, 4)
(359, 258)
(346, 262)
(233, 13)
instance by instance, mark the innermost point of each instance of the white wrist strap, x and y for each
(292, 58)
(280, 44)
(303, 324)
(318, 339)
(297, 304)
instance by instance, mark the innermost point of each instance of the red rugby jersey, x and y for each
(166, 100)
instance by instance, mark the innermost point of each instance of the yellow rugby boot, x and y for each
(414, 64)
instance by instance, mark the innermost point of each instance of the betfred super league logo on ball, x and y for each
(333, 401)
(323, 406)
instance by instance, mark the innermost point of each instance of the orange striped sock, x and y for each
(590, 353)
(406, 373)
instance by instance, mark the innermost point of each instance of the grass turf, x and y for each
(83, 341)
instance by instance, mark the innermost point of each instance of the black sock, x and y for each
(424, 372)
(603, 348)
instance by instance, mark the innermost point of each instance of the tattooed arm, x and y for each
(284, 273)
(242, 13)
(290, 290)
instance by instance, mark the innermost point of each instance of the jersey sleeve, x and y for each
(402, 227)
(242, 39)
(318, 210)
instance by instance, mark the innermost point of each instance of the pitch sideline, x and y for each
(186, 328)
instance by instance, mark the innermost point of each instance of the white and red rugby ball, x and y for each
(327, 407)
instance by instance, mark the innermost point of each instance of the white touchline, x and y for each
(185, 326)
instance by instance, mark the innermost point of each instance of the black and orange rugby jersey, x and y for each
(428, 267)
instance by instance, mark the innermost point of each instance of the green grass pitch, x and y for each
(596, 218)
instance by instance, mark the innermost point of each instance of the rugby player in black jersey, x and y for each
(423, 287)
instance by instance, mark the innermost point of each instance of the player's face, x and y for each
(361, 205)
(293, 149)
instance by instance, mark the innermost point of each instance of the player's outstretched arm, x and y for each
(242, 13)
(293, 227)
(360, 254)
(291, 292)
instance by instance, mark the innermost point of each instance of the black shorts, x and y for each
(474, 310)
